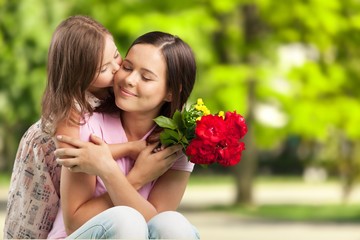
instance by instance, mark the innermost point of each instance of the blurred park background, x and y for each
(291, 68)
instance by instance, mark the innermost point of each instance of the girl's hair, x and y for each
(74, 57)
(180, 72)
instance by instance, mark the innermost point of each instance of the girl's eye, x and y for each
(117, 54)
(103, 69)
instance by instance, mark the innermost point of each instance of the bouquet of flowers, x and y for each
(206, 138)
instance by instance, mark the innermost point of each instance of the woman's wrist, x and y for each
(108, 169)
(135, 180)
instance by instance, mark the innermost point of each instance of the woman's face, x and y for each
(111, 63)
(140, 83)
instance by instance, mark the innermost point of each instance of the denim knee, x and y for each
(171, 225)
(120, 222)
(128, 223)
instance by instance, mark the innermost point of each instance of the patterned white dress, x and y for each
(34, 194)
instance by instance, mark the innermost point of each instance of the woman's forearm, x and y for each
(122, 192)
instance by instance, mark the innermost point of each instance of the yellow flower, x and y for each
(201, 107)
(206, 111)
(221, 114)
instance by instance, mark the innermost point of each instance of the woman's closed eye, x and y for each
(126, 67)
(146, 78)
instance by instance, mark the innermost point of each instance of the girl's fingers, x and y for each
(69, 140)
(95, 139)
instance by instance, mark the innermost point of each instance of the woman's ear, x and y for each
(168, 97)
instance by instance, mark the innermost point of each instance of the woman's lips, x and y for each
(127, 93)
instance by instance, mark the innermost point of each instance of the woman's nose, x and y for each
(131, 79)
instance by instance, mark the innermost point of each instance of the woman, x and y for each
(156, 78)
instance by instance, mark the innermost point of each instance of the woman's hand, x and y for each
(137, 147)
(150, 165)
(88, 157)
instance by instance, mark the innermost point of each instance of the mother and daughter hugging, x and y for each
(96, 144)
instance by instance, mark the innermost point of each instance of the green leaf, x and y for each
(167, 142)
(184, 140)
(177, 118)
(169, 137)
(165, 122)
(172, 134)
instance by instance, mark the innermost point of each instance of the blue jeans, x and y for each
(123, 222)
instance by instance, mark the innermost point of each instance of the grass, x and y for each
(276, 212)
(261, 180)
(210, 180)
(292, 212)
(284, 212)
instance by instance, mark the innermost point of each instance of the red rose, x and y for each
(231, 154)
(201, 152)
(236, 125)
(211, 128)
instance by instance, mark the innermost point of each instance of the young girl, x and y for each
(81, 50)
(82, 60)
(156, 78)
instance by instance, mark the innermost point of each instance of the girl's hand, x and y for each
(150, 165)
(88, 157)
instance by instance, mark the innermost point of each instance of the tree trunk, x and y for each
(244, 172)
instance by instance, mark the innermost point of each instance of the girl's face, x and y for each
(140, 83)
(111, 63)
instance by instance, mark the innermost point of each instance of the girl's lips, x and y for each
(127, 93)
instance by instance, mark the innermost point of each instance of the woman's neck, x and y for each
(136, 125)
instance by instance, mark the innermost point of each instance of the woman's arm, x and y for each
(119, 186)
(171, 184)
(76, 188)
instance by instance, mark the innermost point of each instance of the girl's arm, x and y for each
(131, 149)
(71, 129)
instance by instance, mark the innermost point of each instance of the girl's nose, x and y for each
(116, 66)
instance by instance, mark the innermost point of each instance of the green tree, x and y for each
(238, 46)
(26, 28)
